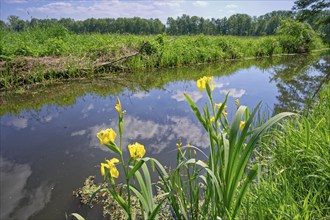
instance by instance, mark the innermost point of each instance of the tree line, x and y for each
(237, 24)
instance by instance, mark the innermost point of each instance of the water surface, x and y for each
(48, 134)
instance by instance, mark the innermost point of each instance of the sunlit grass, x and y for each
(83, 55)
(294, 182)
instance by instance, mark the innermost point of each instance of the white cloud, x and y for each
(140, 95)
(218, 85)
(179, 96)
(200, 3)
(15, 1)
(18, 123)
(235, 93)
(114, 9)
(59, 4)
(13, 181)
(231, 6)
(78, 133)
(49, 117)
(36, 200)
(155, 136)
(231, 12)
(87, 108)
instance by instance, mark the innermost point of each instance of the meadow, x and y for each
(53, 53)
(256, 168)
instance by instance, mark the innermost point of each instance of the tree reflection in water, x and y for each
(298, 80)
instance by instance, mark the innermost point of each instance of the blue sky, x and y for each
(162, 9)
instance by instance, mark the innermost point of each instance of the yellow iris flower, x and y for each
(237, 103)
(136, 150)
(103, 166)
(220, 104)
(113, 170)
(224, 113)
(106, 136)
(201, 83)
(118, 106)
(242, 125)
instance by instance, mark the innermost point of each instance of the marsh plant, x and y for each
(212, 187)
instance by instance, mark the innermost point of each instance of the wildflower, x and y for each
(242, 125)
(103, 166)
(179, 144)
(106, 136)
(136, 150)
(219, 105)
(201, 83)
(118, 106)
(237, 103)
(113, 170)
(212, 120)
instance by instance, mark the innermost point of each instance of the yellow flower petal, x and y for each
(102, 168)
(118, 106)
(113, 170)
(237, 103)
(242, 125)
(136, 150)
(220, 104)
(201, 83)
(113, 161)
(111, 134)
(106, 136)
(212, 86)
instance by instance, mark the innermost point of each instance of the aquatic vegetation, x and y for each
(195, 188)
(144, 194)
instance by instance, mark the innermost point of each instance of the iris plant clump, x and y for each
(213, 186)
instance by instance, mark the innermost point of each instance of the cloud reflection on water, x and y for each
(17, 202)
(156, 136)
(18, 123)
(141, 95)
(179, 96)
(235, 93)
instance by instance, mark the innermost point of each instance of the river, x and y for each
(48, 133)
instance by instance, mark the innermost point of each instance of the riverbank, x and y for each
(31, 57)
(294, 179)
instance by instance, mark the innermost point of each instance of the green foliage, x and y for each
(295, 174)
(83, 55)
(231, 146)
(297, 37)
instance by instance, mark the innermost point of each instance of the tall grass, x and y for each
(294, 182)
(63, 55)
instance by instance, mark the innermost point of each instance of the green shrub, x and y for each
(298, 37)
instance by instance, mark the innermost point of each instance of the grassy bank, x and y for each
(49, 54)
(294, 178)
(65, 93)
